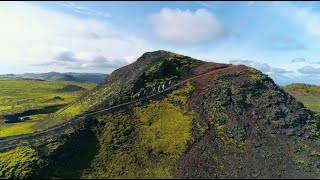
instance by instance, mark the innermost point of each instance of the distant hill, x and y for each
(56, 76)
(71, 88)
(89, 77)
(308, 94)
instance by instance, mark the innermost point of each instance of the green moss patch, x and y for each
(309, 95)
(22, 162)
(146, 142)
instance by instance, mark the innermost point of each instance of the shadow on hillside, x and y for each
(73, 158)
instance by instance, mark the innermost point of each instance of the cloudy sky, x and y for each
(281, 39)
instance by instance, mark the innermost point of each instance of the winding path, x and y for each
(13, 141)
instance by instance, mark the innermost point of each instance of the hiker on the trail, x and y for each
(159, 88)
(145, 93)
(169, 83)
(163, 86)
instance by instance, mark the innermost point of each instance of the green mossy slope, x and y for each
(309, 95)
(146, 141)
(20, 163)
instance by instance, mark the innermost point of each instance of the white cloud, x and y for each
(225, 52)
(309, 70)
(310, 20)
(207, 4)
(85, 10)
(298, 60)
(250, 3)
(33, 35)
(179, 26)
(65, 56)
(103, 62)
(304, 17)
(287, 44)
(264, 67)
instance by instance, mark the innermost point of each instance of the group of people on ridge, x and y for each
(159, 89)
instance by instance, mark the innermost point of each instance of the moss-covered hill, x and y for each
(227, 121)
(308, 94)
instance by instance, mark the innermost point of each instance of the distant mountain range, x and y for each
(56, 76)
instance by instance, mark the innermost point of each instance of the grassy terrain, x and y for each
(17, 96)
(309, 95)
(80, 105)
(21, 162)
(12, 129)
(21, 95)
(141, 144)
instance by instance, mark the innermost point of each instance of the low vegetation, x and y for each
(13, 129)
(21, 162)
(145, 143)
(309, 95)
(17, 96)
(82, 104)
